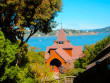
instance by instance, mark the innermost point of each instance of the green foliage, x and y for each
(88, 55)
(25, 76)
(37, 66)
(91, 51)
(32, 69)
(8, 71)
(41, 73)
(32, 14)
(75, 72)
(36, 57)
(2, 40)
(77, 63)
(35, 15)
(15, 17)
(8, 50)
(2, 43)
(21, 55)
(32, 48)
(63, 75)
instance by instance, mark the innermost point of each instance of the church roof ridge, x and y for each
(61, 35)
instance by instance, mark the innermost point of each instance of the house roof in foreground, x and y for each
(103, 55)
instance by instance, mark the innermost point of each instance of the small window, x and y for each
(61, 42)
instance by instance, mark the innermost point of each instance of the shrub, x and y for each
(75, 72)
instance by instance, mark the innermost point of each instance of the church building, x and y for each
(61, 52)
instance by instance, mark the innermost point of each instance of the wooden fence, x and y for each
(66, 79)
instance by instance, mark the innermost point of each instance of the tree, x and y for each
(18, 15)
(77, 63)
(32, 48)
(75, 72)
(91, 51)
(27, 14)
(37, 67)
(42, 73)
(25, 72)
(8, 51)
(36, 57)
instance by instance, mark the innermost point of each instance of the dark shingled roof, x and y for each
(103, 55)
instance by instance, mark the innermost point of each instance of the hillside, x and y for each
(102, 30)
(70, 32)
(67, 31)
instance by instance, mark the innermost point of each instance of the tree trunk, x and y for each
(21, 46)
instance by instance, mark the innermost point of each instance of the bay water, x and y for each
(77, 40)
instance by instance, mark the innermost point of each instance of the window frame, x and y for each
(60, 42)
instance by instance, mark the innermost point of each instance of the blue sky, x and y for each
(84, 14)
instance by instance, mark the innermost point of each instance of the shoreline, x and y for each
(68, 35)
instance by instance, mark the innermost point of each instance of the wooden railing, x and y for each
(66, 79)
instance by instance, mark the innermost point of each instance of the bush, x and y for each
(77, 64)
(90, 52)
(75, 72)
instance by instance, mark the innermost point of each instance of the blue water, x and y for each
(79, 40)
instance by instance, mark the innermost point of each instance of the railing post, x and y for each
(58, 81)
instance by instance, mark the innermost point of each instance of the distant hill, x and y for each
(102, 30)
(67, 32)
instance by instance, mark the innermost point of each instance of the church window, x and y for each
(61, 42)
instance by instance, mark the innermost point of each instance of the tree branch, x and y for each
(31, 35)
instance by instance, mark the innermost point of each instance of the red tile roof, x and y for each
(63, 54)
(46, 53)
(61, 36)
(65, 45)
(76, 50)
